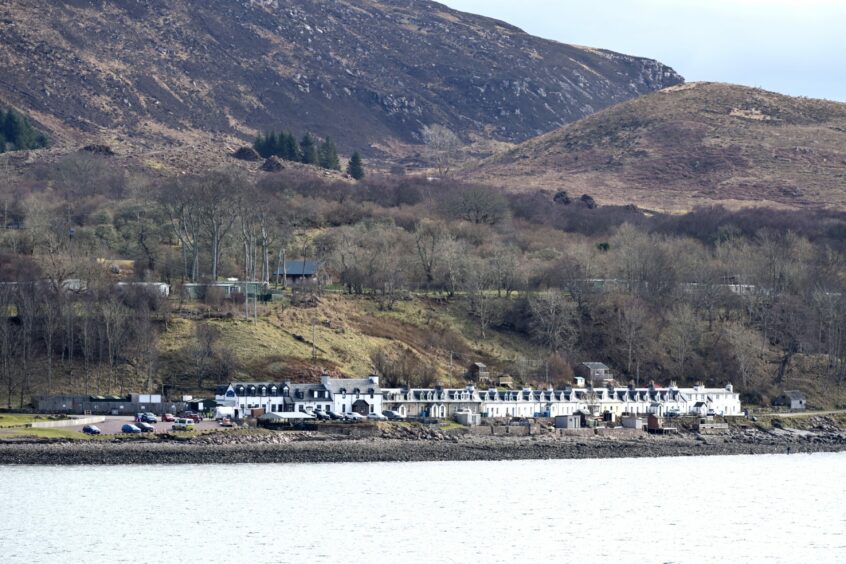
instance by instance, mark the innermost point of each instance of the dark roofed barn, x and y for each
(300, 271)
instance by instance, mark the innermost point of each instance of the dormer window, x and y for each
(273, 390)
(285, 391)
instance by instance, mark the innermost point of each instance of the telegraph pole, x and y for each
(313, 337)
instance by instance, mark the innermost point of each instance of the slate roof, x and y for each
(299, 268)
(363, 384)
(794, 395)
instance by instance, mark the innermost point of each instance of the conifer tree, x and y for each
(17, 134)
(328, 155)
(261, 144)
(355, 167)
(290, 149)
(309, 150)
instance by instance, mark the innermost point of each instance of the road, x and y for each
(801, 413)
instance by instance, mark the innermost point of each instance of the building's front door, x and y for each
(361, 407)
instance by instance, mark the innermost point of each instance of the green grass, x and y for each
(45, 434)
(17, 419)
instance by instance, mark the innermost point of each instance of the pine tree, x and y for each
(355, 167)
(260, 145)
(18, 134)
(290, 148)
(328, 155)
(309, 150)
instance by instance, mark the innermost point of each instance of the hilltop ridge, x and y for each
(366, 72)
(689, 145)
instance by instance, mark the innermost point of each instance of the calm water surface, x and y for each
(715, 509)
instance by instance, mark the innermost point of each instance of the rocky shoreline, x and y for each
(315, 448)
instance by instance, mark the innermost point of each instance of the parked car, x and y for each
(377, 417)
(711, 413)
(320, 415)
(130, 428)
(226, 422)
(335, 416)
(192, 415)
(168, 418)
(146, 418)
(146, 427)
(353, 416)
(91, 430)
(183, 424)
(393, 415)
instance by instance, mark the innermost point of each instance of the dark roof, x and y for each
(794, 395)
(300, 268)
(595, 365)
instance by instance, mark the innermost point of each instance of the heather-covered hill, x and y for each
(365, 72)
(691, 145)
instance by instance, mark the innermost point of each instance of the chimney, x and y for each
(324, 379)
(374, 379)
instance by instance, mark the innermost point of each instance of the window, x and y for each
(285, 391)
(371, 408)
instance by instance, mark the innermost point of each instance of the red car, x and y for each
(168, 418)
(195, 417)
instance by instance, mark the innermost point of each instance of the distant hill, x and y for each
(688, 145)
(151, 74)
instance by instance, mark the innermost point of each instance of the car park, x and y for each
(130, 428)
(91, 430)
(183, 424)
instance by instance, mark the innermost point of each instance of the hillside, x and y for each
(166, 74)
(691, 145)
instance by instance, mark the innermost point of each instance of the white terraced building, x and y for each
(363, 396)
(444, 402)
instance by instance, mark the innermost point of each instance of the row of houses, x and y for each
(366, 396)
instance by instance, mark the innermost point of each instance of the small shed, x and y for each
(791, 399)
(476, 372)
(632, 422)
(594, 372)
(568, 422)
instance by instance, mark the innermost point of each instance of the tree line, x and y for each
(308, 151)
(712, 295)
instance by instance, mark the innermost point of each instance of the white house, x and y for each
(363, 396)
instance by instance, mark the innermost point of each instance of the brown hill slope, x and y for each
(153, 73)
(689, 145)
